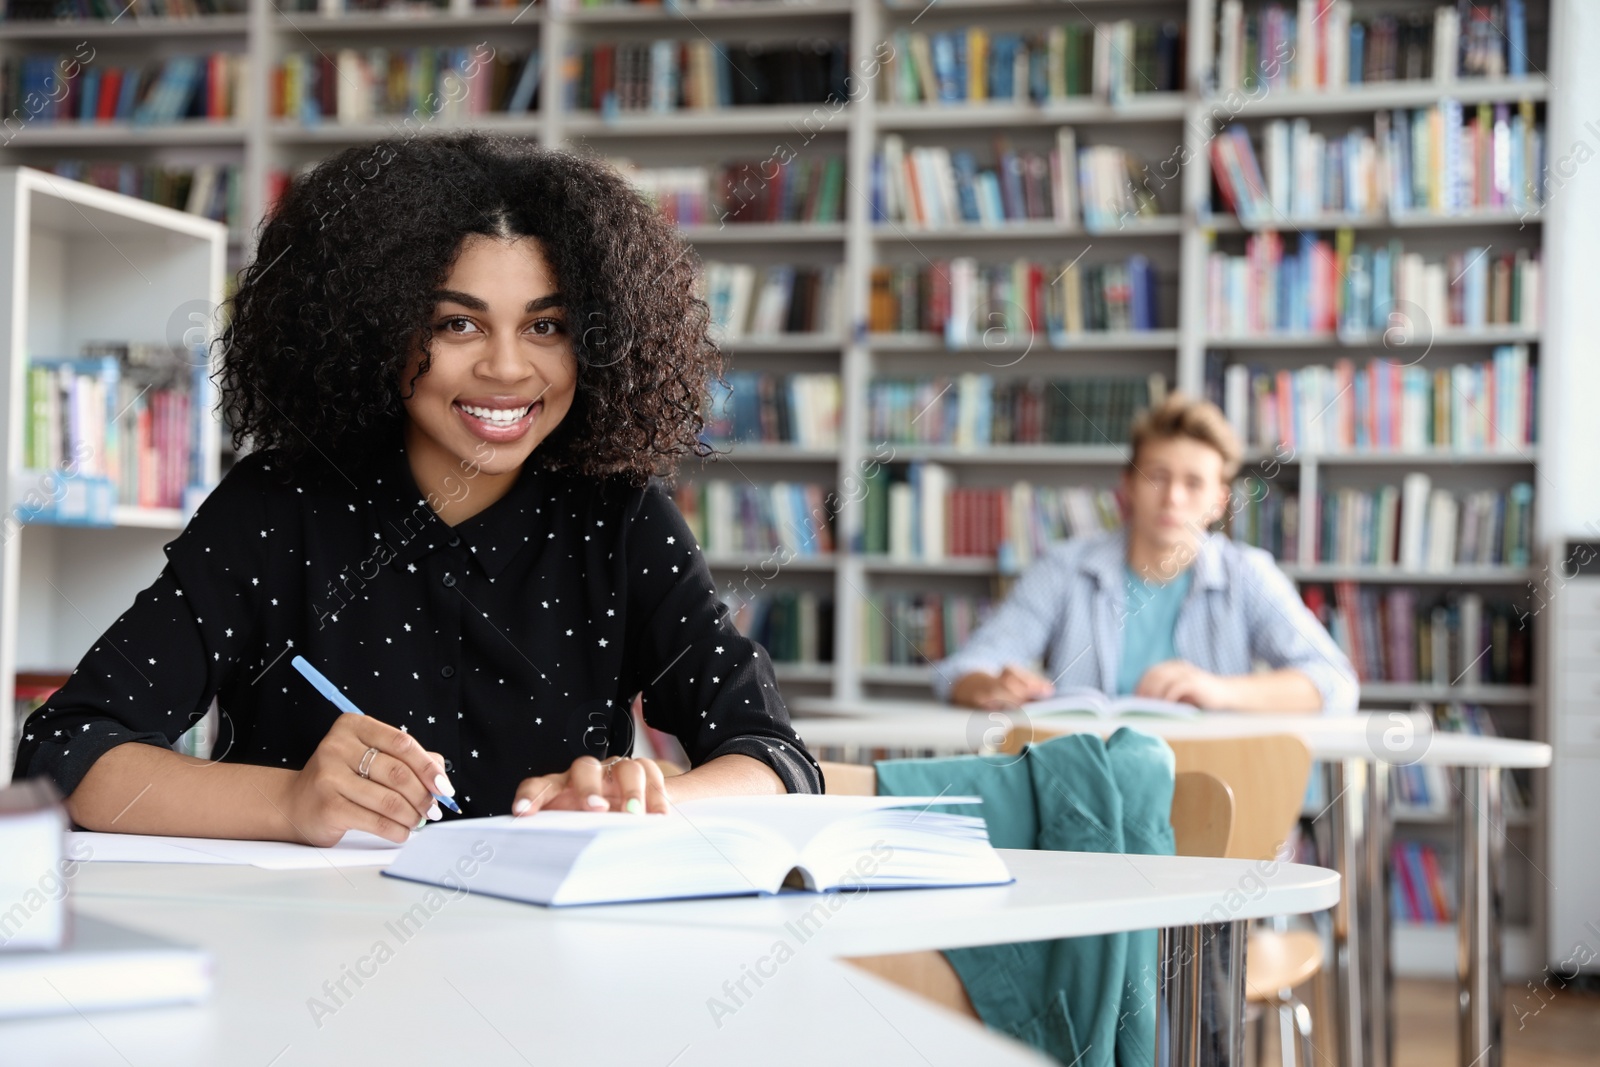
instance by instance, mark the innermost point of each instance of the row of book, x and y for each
(793, 626)
(120, 422)
(1098, 186)
(209, 87)
(1419, 788)
(1406, 635)
(210, 190)
(917, 628)
(1266, 515)
(920, 513)
(1437, 160)
(362, 85)
(1384, 291)
(797, 409)
(968, 303)
(971, 410)
(1108, 60)
(747, 301)
(1419, 890)
(731, 518)
(1385, 406)
(108, 10)
(398, 8)
(800, 190)
(670, 75)
(1320, 44)
(1420, 527)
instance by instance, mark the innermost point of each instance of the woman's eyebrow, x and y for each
(455, 296)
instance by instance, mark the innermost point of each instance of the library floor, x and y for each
(1565, 1032)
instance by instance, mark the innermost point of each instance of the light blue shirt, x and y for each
(1147, 631)
(1069, 610)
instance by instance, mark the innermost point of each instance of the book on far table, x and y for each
(1086, 701)
(711, 847)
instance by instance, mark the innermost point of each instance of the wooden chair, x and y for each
(1202, 823)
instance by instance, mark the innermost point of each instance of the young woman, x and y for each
(459, 360)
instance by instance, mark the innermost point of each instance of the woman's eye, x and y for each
(449, 325)
(548, 327)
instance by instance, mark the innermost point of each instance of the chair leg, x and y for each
(1286, 1043)
(1302, 1018)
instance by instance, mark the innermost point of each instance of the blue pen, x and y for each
(344, 704)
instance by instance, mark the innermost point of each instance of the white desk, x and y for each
(1353, 755)
(488, 982)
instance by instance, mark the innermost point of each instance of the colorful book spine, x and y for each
(1418, 635)
(1328, 44)
(972, 410)
(364, 85)
(977, 65)
(968, 303)
(797, 409)
(668, 75)
(1464, 407)
(1012, 525)
(1378, 293)
(740, 518)
(917, 628)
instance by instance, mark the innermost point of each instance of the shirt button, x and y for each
(449, 580)
(454, 541)
(448, 672)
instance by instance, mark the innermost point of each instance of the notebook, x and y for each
(103, 965)
(1087, 701)
(715, 846)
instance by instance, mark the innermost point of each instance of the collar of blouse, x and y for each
(400, 515)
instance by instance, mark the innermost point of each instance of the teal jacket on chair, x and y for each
(1087, 1001)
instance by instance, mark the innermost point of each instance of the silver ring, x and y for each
(366, 762)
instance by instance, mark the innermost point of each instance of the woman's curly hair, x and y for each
(341, 289)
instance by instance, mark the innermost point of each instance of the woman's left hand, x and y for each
(618, 784)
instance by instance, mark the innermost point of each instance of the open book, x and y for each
(1086, 701)
(715, 846)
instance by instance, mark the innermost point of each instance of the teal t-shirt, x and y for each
(1149, 624)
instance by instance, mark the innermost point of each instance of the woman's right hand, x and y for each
(328, 796)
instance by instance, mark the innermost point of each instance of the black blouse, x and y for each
(511, 643)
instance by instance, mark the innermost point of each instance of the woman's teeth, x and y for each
(498, 415)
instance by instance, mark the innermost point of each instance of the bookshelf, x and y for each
(88, 266)
(1169, 130)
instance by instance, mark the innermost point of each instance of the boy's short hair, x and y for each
(1181, 415)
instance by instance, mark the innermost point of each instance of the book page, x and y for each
(356, 849)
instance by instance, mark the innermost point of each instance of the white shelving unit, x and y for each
(84, 265)
(1154, 125)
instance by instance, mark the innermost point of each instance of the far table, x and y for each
(1359, 836)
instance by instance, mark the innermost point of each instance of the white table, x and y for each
(1354, 759)
(488, 981)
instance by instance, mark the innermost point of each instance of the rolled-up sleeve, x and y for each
(1285, 634)
(1019, 630)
